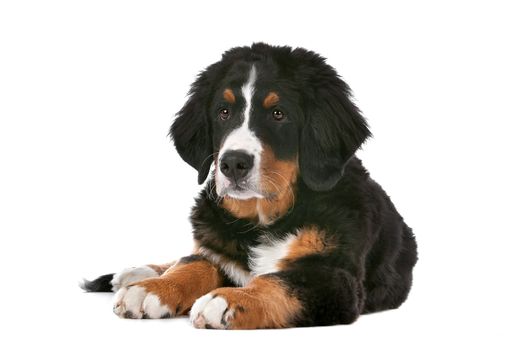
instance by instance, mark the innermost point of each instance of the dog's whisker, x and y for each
(205, 159)
(289, 188)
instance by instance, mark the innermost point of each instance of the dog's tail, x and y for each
(99, 284)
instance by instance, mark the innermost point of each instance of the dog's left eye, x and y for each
(278, 114)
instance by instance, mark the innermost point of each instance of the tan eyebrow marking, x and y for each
(229, 96)
(271, 100)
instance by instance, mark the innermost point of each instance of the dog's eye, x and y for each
(278, 114)
(224, 114)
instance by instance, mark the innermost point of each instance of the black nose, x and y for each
(236, 164)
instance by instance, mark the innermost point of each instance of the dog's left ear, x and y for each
(191, 131)
(334, 129)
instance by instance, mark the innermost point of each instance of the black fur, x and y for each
(192, 128)
(371, 267)
(100, 284)
(191, 258)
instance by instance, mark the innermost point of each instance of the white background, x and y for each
(90, 182)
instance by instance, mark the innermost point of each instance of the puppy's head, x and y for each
(266, 116)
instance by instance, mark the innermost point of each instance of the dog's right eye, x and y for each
(224, 114)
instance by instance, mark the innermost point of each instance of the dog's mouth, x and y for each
(238, 188)
(241, 190)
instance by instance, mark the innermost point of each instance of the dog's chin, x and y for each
(241, 193)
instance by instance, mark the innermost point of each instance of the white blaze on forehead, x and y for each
(242, 138)
(247, 92)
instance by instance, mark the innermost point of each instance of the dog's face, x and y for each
(255, 133)
(267, 116)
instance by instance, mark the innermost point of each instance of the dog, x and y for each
(290, 230)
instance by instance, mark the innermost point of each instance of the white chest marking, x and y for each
(265, 257)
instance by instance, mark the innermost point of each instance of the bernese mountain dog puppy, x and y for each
(290, 230)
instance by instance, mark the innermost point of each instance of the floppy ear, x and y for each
(191, 131)
(334, 129)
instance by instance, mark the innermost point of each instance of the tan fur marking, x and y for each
(182, 284)
(229, 96)
(245, 209)
(270, 100)
(263, 303)
(278, 180)
(309, 241)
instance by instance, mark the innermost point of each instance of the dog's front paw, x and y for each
(229, 308)
(264, 303)
(146, 299)
(211, 311)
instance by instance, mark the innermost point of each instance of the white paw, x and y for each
(153, 307)
(135, 302)
(132, 275)
(211, 312)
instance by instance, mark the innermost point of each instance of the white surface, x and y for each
(89, 182)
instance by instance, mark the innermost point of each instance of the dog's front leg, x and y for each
(297, 297)
(172, 293)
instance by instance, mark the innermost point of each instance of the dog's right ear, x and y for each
(191, 130)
